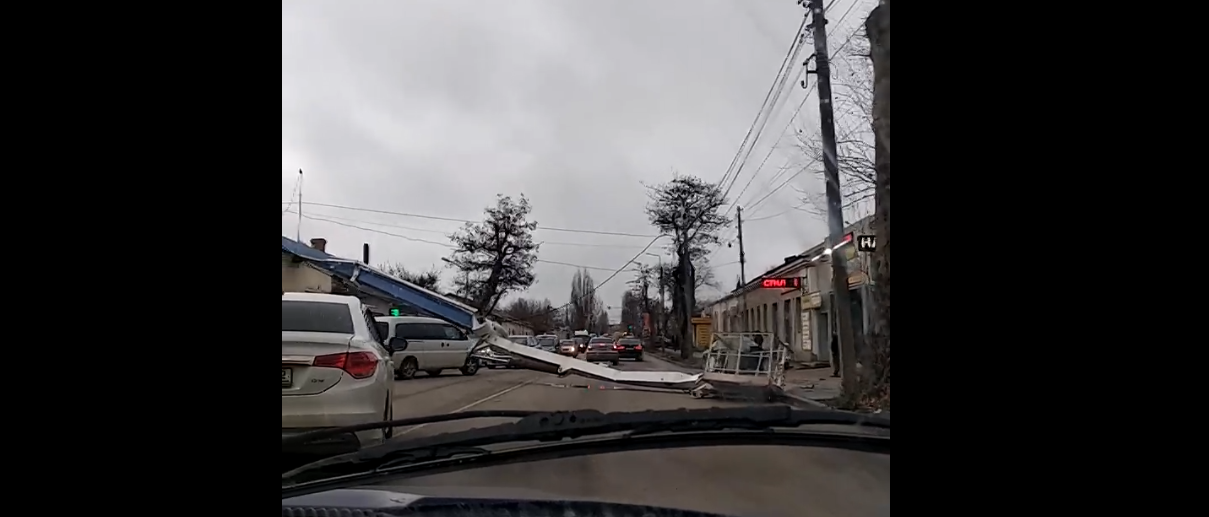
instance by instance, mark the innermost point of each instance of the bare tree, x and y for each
(689, 209)
(430, 279)
(584, 304)
(497, 255)
(538, 314)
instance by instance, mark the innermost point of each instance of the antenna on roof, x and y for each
(299, 205)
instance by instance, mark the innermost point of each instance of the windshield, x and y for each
(327, 318)
(495, 178)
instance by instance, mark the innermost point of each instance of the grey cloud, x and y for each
(434, 107)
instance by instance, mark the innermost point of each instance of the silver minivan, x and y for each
(428, 345)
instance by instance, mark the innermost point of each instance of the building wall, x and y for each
(302, 278)
(516, 329)
(807, 321)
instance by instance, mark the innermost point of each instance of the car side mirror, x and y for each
(397, 344)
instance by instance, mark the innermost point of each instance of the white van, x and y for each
(428, 345)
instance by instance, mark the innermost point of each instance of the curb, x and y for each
(803, 401)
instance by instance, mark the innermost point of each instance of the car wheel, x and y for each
(471, 368)
(409, 368)
(640, 359)
(617, 363)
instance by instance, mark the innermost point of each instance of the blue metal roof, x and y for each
(299, 249)
(395, 289)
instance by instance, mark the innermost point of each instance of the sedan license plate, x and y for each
(287, 377)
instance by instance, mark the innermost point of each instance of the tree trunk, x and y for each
(878, 29)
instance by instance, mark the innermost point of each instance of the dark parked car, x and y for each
(630, 348)
(601, 350)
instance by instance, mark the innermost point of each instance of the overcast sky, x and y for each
(433, 107)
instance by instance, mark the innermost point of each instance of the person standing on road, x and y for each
(835, 355)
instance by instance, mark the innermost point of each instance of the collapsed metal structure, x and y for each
(491, 336)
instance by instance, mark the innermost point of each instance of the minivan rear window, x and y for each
(321, 317)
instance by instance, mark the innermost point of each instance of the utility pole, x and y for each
(686, 311)
(835, 198)
(742, 252)
(662, 323)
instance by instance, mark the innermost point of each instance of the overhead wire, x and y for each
(425, 241)
(792, 118)
(446, 232)
(781, 136)
(752, 207)
(766, 111)
(452, 219)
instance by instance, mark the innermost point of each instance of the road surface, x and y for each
(738, 481)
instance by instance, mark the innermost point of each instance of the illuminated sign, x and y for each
(782, 283)
(395, 313)
(866, 243)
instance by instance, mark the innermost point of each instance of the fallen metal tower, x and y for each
(492, 336)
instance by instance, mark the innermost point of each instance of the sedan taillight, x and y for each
(360, 365)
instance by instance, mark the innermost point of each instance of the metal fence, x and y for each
(749, 354)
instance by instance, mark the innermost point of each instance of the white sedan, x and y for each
(335, 372)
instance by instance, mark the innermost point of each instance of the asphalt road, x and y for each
(769, 481)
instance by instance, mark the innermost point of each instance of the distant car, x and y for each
(523, 340)
(335, 371)
(569, 348)
(629, 348)
(582, 341)
(600, 350)
(547, 343)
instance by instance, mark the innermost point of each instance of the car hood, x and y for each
(399, 497)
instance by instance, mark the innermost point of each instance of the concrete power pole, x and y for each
(742, 252)
(835, 199)
(662, 303)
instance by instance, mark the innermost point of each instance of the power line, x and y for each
(442, 244)
(783, 70)
(781, 136)
(450, 219)
(446, 233)
(779, 84)
(614, 275)
(752, 206)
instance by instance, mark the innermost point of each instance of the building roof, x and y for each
(804, 259)
(399, 291)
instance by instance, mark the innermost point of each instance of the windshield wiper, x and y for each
(549, 427)
(474, 458)
(311, 436)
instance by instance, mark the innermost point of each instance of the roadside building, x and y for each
(802, 317)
